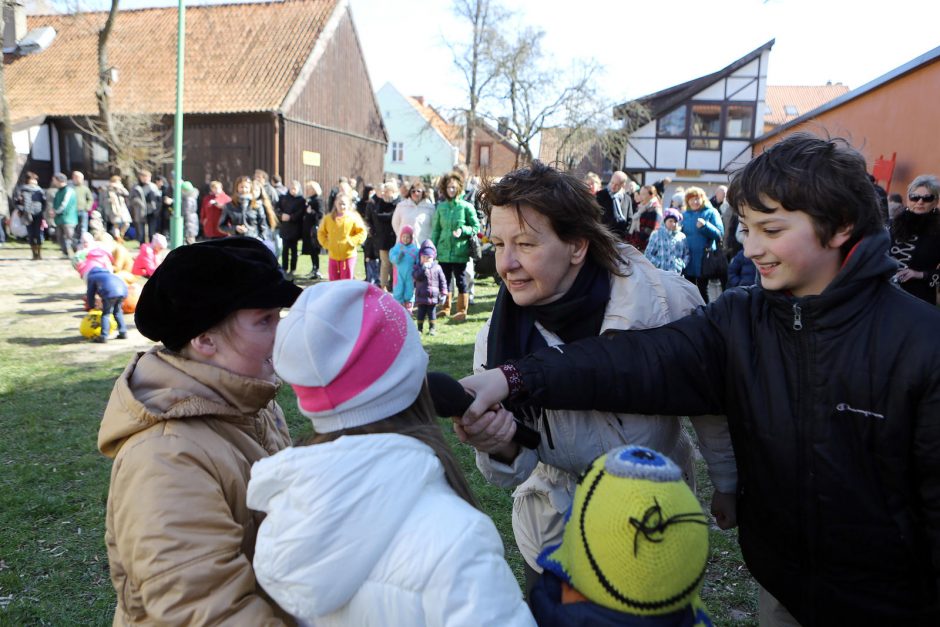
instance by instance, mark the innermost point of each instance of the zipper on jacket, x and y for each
(797, 317)
(548, 430)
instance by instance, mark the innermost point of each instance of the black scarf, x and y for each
(579, 313)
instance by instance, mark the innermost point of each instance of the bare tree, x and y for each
(105, 76)
(540, 96)
(134, 140)
(7, 149)
(474, 60)
(614, 139)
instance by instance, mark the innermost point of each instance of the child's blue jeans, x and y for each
(112, 306)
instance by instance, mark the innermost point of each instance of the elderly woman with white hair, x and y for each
(915, 239)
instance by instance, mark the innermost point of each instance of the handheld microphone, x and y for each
(450, 399)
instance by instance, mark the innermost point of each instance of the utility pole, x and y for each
(176, 223)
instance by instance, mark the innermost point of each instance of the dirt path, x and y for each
(41, 305)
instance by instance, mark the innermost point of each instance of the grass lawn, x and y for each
(53, 484)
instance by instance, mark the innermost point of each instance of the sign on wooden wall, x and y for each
(312, 158)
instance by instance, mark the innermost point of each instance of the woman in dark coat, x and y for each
(245, 215)
(915, 240)
(308, 236)
(292, 208)
(380, 226)
(31, 201)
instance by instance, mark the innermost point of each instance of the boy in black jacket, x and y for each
(829, 376)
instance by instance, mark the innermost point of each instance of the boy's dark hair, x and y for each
(562, 198)
(825, 178)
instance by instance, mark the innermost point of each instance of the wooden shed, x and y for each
(280, 86)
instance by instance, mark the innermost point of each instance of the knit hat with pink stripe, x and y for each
(351, 353)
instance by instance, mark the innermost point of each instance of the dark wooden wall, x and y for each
(224, 147)
(336, 115)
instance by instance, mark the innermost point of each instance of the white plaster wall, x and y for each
(425, 150)
(715, 91)
(647, 130)
(730, 150)
(639, 149)
(704, 160)
(670, 154)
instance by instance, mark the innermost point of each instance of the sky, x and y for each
(647, 46)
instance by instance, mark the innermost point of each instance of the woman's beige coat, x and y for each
(180, 539)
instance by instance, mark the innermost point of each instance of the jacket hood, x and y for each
(333, 509)
(867, 260)
(865, 269)
(160, 385)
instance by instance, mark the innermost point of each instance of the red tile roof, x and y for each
(239, 58)
(450, 132)
(801, 99)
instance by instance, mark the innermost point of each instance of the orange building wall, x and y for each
(901, 116)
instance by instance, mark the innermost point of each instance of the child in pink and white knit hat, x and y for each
(372, 523)
(352, 355)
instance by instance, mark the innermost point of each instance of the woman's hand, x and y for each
(488, 388)
(491, 433)
(700, 223)
(285, 217)
(725, 509)
(458, 233)
(906, 274)
(241, 228)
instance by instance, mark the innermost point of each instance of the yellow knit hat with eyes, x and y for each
(636, 539)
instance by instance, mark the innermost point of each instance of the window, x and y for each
(705, 126)
(739, 122)
(99, 157)
(398, 152)
(673, 123)
(484, 156)
(791, 110)
(75, 150)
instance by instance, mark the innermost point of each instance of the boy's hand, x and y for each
(488, 388)
(725, 509)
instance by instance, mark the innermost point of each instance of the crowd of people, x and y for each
(701, 238)
(811, 388)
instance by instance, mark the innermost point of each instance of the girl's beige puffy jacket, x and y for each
(180, 538)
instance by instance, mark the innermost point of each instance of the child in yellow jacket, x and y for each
(341, 232)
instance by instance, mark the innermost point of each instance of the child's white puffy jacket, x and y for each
(365, 531)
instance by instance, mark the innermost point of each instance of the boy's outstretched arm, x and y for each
(677, 369)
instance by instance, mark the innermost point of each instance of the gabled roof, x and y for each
(785, 102)
(914, 64)
(450, 132)
(663, 101)
(239, 58)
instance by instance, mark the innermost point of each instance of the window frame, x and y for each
(398, 152)
(723, 123)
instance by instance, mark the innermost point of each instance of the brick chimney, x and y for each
(14, 23)
(420, 100)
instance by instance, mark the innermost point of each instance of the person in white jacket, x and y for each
(371, 523)
(415, 211)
